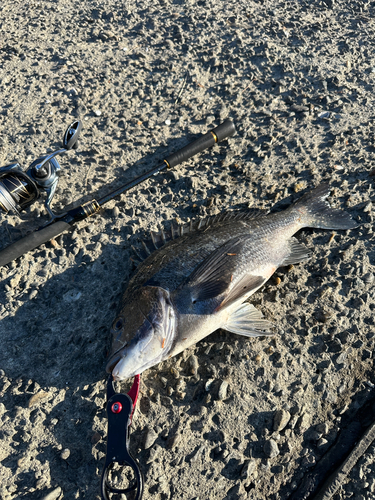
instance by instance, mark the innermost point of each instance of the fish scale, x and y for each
(199, 281)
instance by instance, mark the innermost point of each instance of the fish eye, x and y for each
(118, 324)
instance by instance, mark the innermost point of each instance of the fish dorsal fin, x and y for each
(248, 321)
(163, 236)
(231, 216)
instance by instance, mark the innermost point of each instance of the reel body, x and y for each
(19, 189)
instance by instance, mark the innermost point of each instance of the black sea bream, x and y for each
(201, 279)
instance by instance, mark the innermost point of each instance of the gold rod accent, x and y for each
(167, 163)
(90, 207)
(215, 136)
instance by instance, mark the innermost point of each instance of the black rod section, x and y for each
(61, 224)
(223, 131)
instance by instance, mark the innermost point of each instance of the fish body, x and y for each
(200, 280)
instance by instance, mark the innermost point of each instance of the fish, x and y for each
(199, 277)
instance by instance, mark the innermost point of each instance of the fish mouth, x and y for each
(112, 362)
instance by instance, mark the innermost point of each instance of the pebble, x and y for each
(342, 358)
(368, 207)
(321, 442)
(97, 112)
(222, 393)
(304, 421)
(249, 469)
(201, 451)
(150, 438)
(53, 495)
(208, 384)
(193, 364)
(2, 409)
(271, 449)
(315, 435)
(33, 294)
(368, 278)
(164, 381)
(65, 454)
(280, 420)
(36, 398)
(309, 461)
(323, 428)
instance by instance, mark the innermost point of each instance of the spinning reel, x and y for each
(19, 189)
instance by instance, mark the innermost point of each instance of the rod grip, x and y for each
(226, 129)
(31, 241)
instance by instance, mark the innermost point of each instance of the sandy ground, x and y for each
(230, 418)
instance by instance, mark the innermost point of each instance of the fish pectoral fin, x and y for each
(298, 253)
(207, 290)
(248, 321)
(213, 276)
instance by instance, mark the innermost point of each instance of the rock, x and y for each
(280, 420)
(309, 461)
(271, 449)
(323, 428)
(315, 435)
(342, 358)
(368, 278)
(65, 454)
(303, 422)
(193, 364)
(151, 437)
(199, 453)
(208, 384)
(222, 393)
(36, 398)
(249, 469)
(53, 495)
(321, 442)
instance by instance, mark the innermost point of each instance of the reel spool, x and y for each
(19, 189)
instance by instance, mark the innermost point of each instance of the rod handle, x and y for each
(223, 131)
(32, 241)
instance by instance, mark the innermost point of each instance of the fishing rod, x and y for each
(19, 189)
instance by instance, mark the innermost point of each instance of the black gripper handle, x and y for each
(223, 131)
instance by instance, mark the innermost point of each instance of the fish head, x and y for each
(142, 333)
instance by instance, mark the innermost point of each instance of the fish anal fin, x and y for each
(298, 253)
(248, 321)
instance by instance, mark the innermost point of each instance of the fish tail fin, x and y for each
(315, 211)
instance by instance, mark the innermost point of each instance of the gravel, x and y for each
(230, 417)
